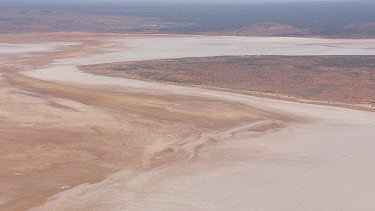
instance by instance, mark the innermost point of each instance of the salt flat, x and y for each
(323, 162)
(161, 47)
(8, 48)
(319, 158)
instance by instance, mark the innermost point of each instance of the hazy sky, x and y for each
(206, 0)
(185, 1)
(197, 1)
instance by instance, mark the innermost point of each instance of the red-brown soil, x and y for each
(341, 80)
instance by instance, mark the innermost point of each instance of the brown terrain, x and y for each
(274, 29)
(270, 29)
(363, 29)
(369, 27)
(341, 80)
(39, 21)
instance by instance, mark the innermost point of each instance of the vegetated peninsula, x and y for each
(337, 80)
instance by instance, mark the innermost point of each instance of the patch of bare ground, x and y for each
(346, 81)
(52, 144)
(55, 137)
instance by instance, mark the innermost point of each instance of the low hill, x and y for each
(270, 29)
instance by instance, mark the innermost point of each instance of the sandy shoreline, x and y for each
(283, 155)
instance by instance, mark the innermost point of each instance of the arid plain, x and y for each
(72, 140)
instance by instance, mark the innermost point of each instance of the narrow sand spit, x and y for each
(320, 160)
